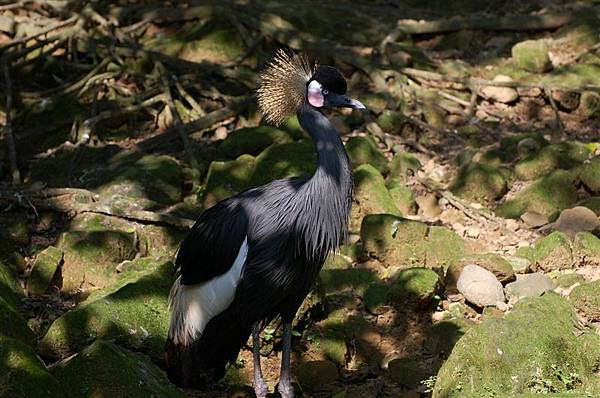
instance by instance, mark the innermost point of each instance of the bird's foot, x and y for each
(285, 388)
(260, 388)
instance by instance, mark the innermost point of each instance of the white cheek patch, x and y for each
(314, 94)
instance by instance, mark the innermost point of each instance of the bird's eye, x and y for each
(325, 92)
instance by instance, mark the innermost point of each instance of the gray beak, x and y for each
(343, 101)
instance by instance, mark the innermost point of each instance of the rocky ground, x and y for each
(473, 266)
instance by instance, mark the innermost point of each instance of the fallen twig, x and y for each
(42, 32)
(76, 201)
(473, 81)
(516, 23)
(470, 211)
(559, 121)
(8, 133)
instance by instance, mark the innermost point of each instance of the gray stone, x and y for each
(577, 219)
(528, 285)
(500, 94)
(479, 286)
(534, 219)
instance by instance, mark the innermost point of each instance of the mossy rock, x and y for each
(493, 262)
(404, 164)
(12, 323)
(479, 183)
(253, 140)
(24, 375)
(371, 196)
(375, 102)
(403, 196)
(407, 372)
(590, 175)
(515, 354)
(151, 179)
(586, 299)
(106, 370)
(553, 252)
(356, 279)
(364, 150)
(532, 56)
(444, 335)
(565, 281)
(158, 241)
(586, 249)
(217, 44)
(394, 240)
(93, 247)
(313, 375)
(589, 105)
(593, 204)
(225, 179)
(376, 297)
(511, 147)
(547, 196)
(414, 287)
(566, 155)
(10, 289)
(443, 247)
(135, 316)
(43, 270)
(284, 160)
(390, 121)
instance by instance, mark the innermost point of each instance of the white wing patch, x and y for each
(193, 306)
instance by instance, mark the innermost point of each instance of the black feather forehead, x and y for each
(331, 79)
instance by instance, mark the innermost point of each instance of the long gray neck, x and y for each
(330, 187)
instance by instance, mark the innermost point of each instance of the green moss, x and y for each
(558, 156)
(364, 150)
(553, 252)
(93, 247)
(547, 196)
(371, 196)
(10, 290)
(23, 374)
(593, 204)
(589, 174)
(586, 249)
(215, 45)
(253, 140)
(43, 270)
(539, 339)
(393, 240)
(375, 297)
(403, 197)
(135, 315)
(443, 336)
(565, 281)
(586, 299)
(590, 104)
(110, 170)
(443, 247)
(105, 370)
(532, 56)
(390, 121)
(404, 164)
(375, 102)
(479, 183)
(284, 160)
(12, 323)
(414, 287)
(333, 280)
(510, 146)
(225, 179)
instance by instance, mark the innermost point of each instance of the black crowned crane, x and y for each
(253, 257)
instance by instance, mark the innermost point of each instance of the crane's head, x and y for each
(290, 81)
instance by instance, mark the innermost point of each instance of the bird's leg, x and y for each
(285, 381)
(260, 387)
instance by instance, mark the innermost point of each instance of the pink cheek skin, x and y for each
(315, 98)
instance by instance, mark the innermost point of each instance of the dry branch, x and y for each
(474, 81)
(507, 23)
(76, 201)
(8, 133)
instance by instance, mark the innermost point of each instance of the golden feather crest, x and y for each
(283, 86)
